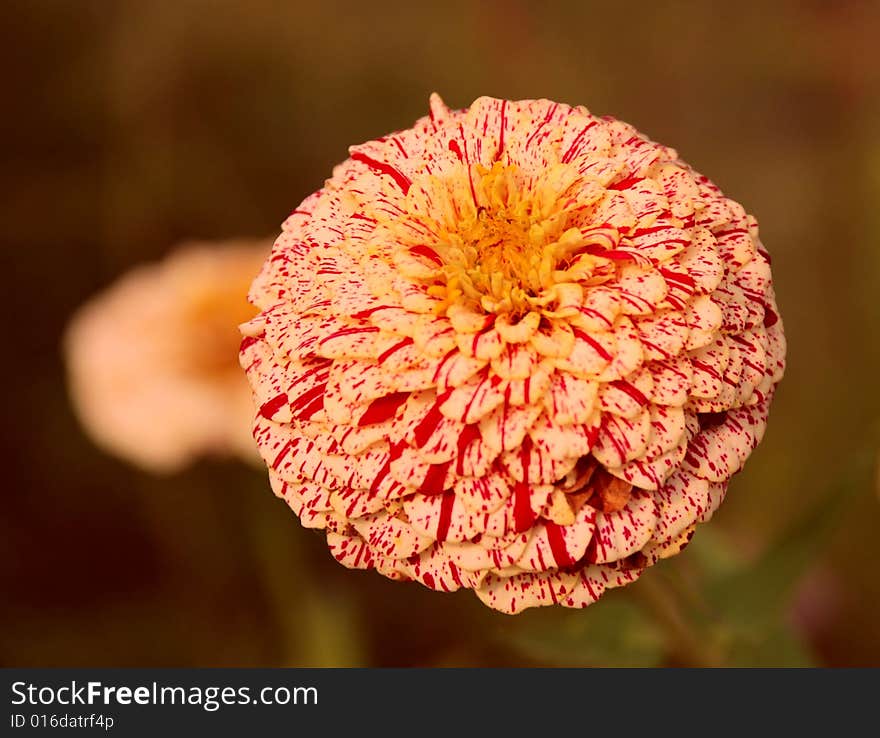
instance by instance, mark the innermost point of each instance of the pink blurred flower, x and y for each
(517, 348)
(152, 361)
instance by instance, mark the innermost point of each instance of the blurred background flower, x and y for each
(152, 369)
(141, 125)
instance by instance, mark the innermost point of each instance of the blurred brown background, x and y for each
(129, 126)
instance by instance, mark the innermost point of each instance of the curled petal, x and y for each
(553, 546)
(389, 536)
(624, 532)
(621, 439)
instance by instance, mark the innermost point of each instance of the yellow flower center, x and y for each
(503, 253)
(495, 240)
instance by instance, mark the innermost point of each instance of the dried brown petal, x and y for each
(612, 493)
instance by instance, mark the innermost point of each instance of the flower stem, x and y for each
(688, 645)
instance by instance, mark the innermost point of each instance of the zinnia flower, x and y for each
(518, 348)
(152, 361)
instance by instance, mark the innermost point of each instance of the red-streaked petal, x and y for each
(624, 532)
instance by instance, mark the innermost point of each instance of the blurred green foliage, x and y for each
(131, 126)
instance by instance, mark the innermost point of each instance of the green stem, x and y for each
(660, 602)
(278, 565)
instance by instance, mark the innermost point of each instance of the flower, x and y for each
(152, 361)
(518, 348)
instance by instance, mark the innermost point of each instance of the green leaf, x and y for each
(756, 595)
(748, 602)
(713, 555)
(613, 632)
(777, 646)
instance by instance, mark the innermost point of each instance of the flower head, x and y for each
(152, 360)
(517, 348)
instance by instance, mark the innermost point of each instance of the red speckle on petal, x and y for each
(399, 177)
(247, 342)
(597, 347)
(434, 479)
(360, 315)
(523, 515)
(631, 390)
(281, 454)
(428, 253)
(576, 144)
(625, 184)
(383, 408)
(501, 132)
(381, 358)
(429, 423)
(557, 545)
(470, 434)
(445, 515)
(268, 409)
